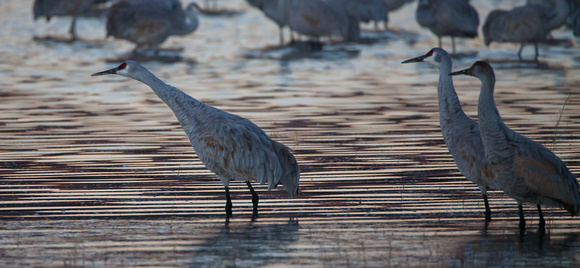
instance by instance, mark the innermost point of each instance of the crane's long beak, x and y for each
(111, 71)
(416, 59)
(460, 72)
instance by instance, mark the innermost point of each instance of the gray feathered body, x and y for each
(448, 17)
(461, 133)
(523, 25)
(321, 18)
(393, 5)
(149, 23)
(230, 146)
(49, 8)
(524, 169)
(366, 10)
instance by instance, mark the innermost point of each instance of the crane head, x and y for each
(121, 70)
(435, 56)
(420, 58)
(478, 69)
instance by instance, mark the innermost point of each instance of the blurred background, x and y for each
(96, 171)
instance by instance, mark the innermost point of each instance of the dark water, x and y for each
(97, 172)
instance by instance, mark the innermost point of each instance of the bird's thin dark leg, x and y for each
(487, 210)
(520, 52)
(541, 223)
(228, 203)
(453, 43)
(439, 37)
(281, 36)
(536, 46)
(73, 26)
(522, 219)
(255, 199)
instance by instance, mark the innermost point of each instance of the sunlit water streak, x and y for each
(97, 171)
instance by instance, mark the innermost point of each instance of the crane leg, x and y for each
(228, 203)
(522, 219)
(520, 52)
(255, 199)
(439, 37)
(453, 43)
(73, 27)
(487, 210)
(541, 222)
(536, 58)
(281, 36)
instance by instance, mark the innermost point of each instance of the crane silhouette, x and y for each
(460, 133)
(49, 8)
(523, 25)
(230, 146)
(455, 18)
(148, 23)
(524, 169)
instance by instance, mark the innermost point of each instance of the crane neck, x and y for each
(449, 106)
(190, 23)
(183, 105)
(487, 109)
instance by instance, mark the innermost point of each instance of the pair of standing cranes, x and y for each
(489, 153)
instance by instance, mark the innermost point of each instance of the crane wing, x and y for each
(545, 173)
(238, 150)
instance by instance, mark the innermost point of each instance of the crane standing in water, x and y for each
(524, 25)
(455, 18)
(230, 146)
(524, 169)
(49, 8)
(460, 133)
(148, 23)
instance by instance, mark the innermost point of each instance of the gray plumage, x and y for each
(524, 169)
(73, 8)
(460, 133)
(148, 23)
(393, 5)
(321, 18)
(274, 10)
(230, 146)
(523, 25)
(455, 18)
(367, 10)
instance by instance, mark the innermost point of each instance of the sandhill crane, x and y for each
(148, 23)
(524, 169)
(318, 18)
(460, 133)
(524, 25)
(393, 5)
(274, 10)
(455, 18)
(49, 8)
(229, 145)
(366, 10)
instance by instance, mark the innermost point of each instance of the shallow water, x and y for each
(96, 171)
